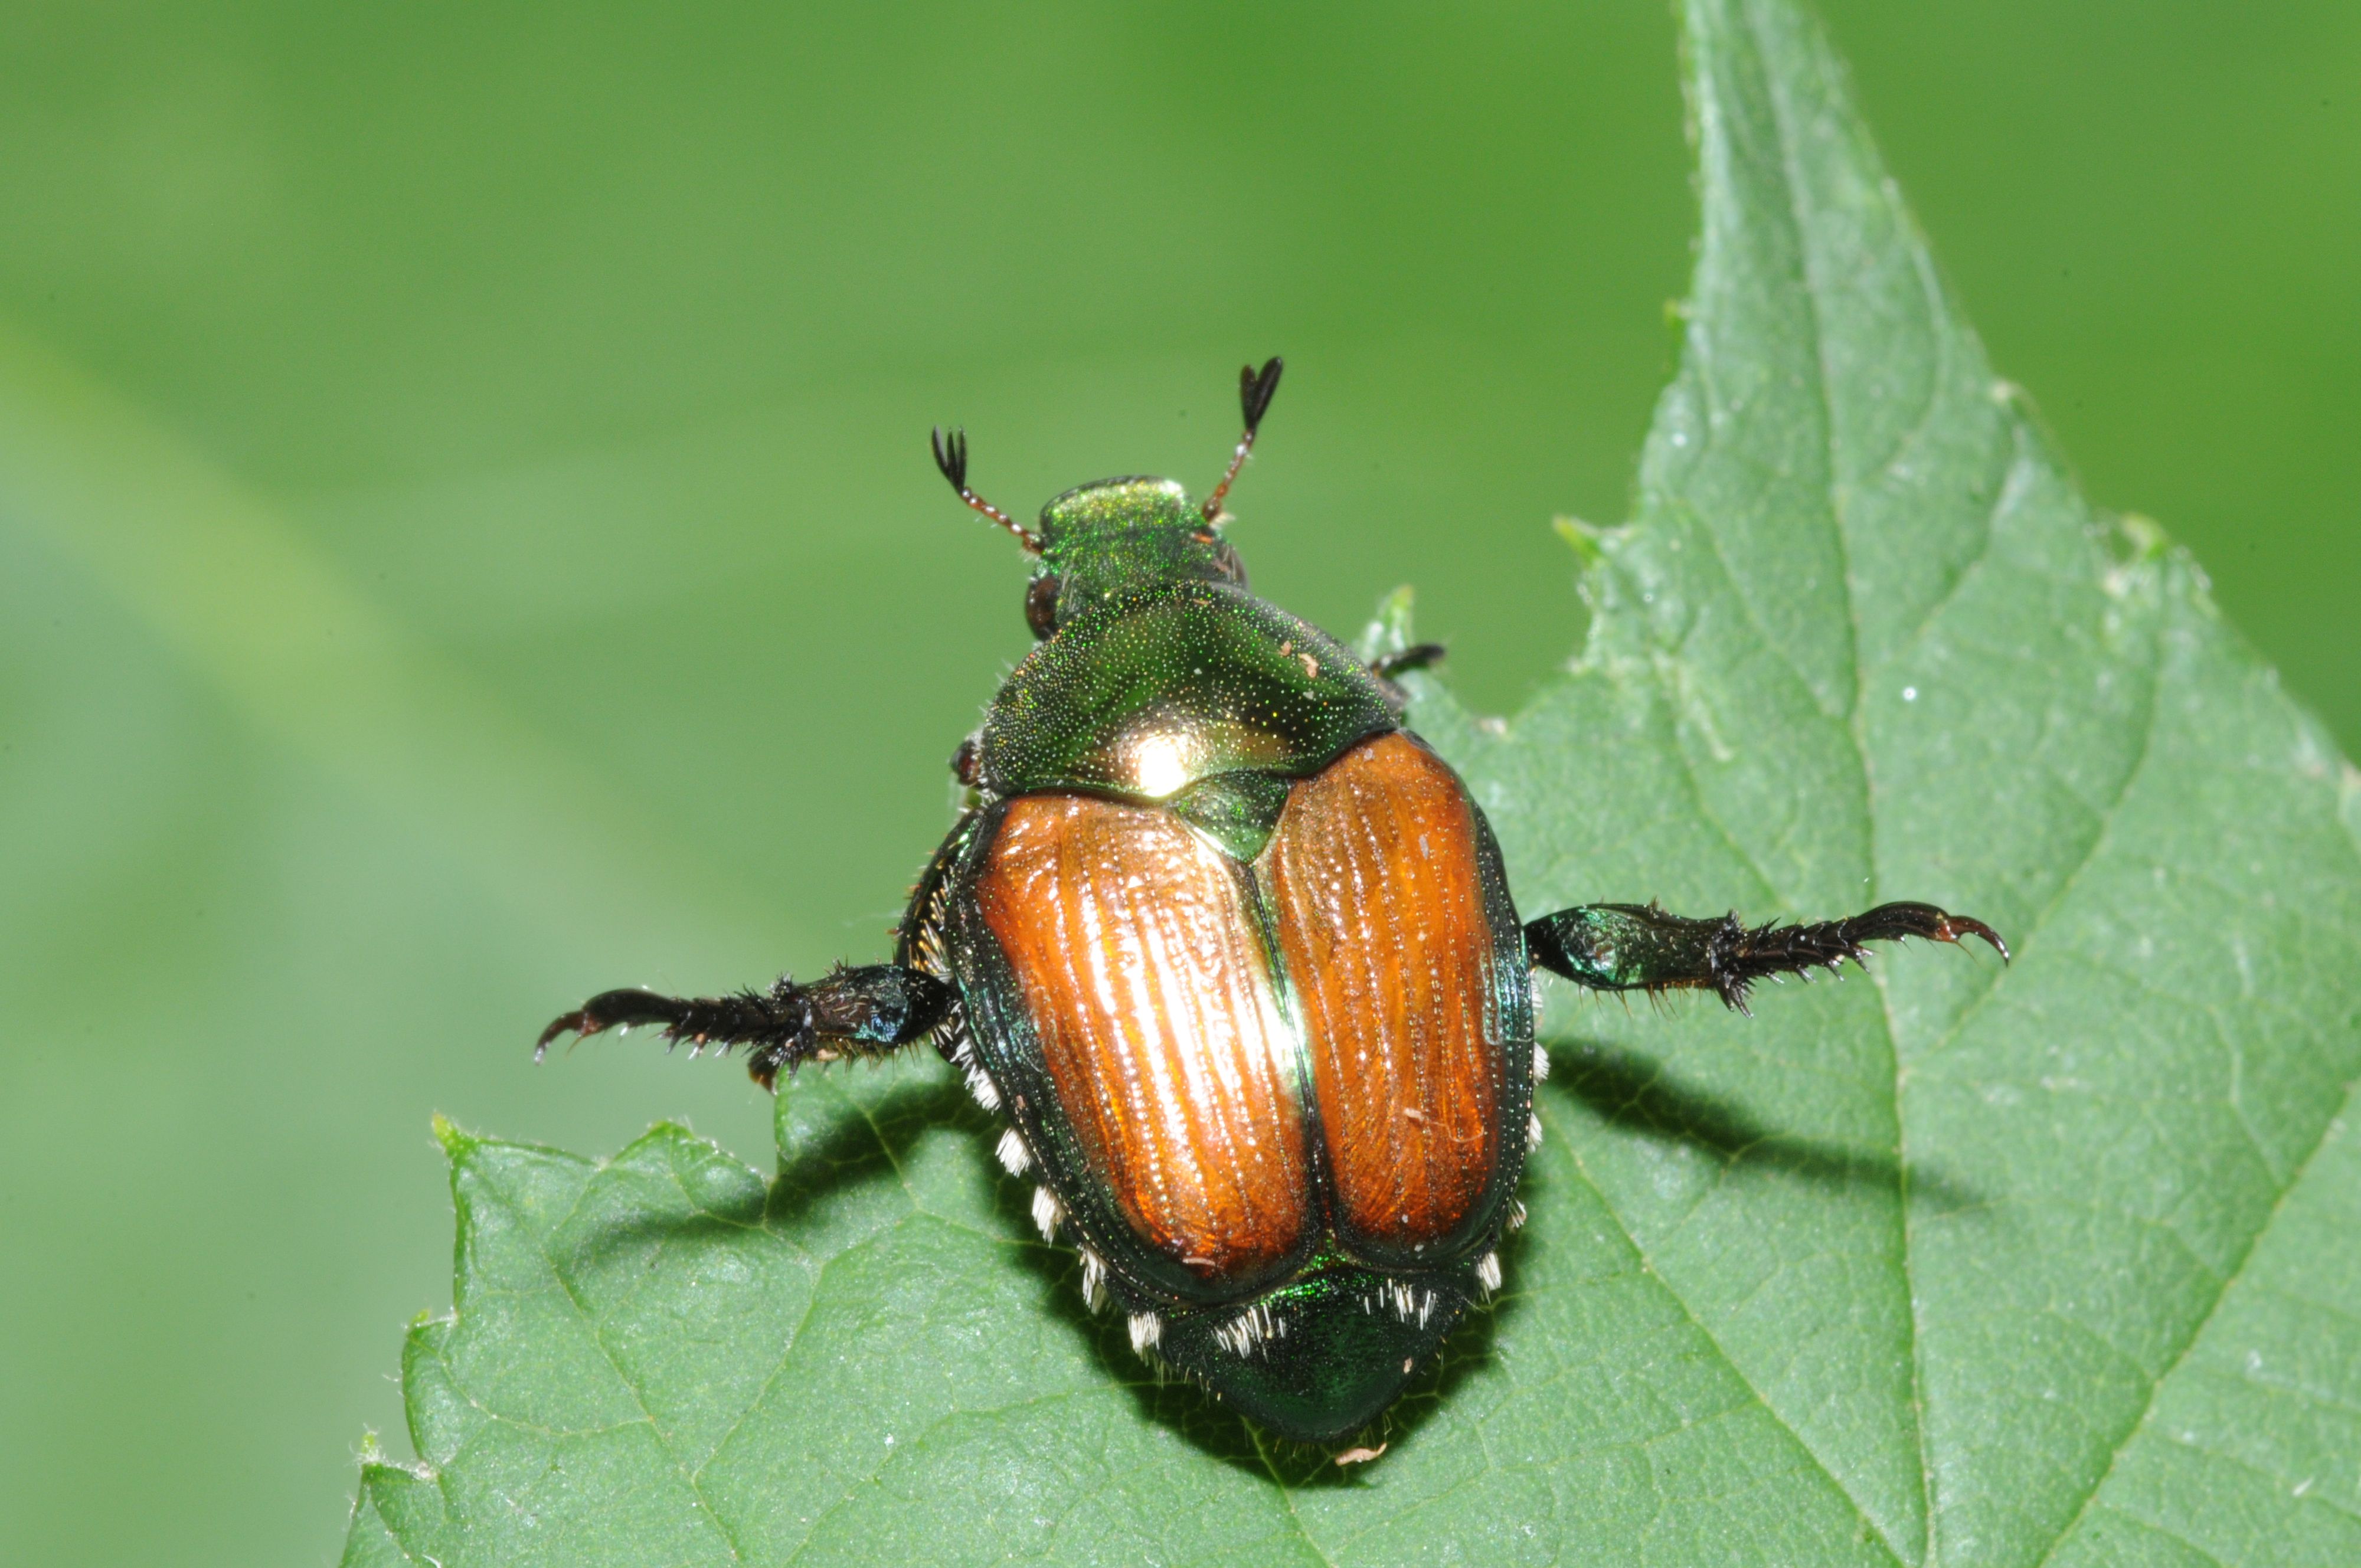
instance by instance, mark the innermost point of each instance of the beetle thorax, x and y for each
(1104, 541)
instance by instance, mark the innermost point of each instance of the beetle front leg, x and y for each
(1386, 666)
(1417, 656)
(871, 1011)
(1638, 946)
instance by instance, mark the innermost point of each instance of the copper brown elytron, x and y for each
(1374, 877)
(1160, 1024)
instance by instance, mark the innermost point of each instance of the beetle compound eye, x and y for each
(1041, 606)
(1225, 557)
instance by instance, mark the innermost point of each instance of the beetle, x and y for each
(1234, 953)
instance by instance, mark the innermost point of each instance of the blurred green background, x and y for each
(467, 538)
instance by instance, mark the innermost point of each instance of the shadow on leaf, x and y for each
(839, 1146)
(1641, 1095)
(831, 1140)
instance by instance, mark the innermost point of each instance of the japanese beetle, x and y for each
(1235, 954)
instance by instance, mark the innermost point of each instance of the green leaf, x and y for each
(1960, 1264)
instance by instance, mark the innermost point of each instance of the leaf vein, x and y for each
(2221, 1294)
(1723, 1354)
(2101, 836)
(688, 1477)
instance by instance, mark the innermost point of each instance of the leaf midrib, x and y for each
(2098, 842)
(1834, 491)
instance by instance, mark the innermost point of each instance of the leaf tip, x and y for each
(2140, 538)
(447, 1133)
(1587, 539)
(375, 1461)
(1389, 632)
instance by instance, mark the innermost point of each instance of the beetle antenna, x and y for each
(950, 457)
(1255, 388)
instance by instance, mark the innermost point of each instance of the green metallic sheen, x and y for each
(1617, 948)
(1237, 810)
(1343, 1358)
(1104, 541)
(1147, 693)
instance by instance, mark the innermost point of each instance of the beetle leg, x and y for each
(1386, 666)
(871, 1011)
(1638, 946)
(1417, 656)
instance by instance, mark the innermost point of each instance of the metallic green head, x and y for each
(1120, 537)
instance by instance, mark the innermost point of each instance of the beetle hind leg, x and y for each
(871, 1011)
(1638, 946)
